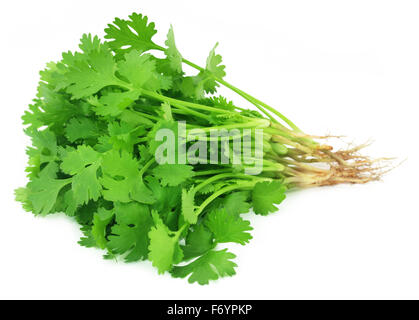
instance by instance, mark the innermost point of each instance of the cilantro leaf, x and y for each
(214, 64)
(166, 111)
(188, 206)
(265, 195)
(123, 136)
(214, 69)
(21, 195)
(172, 53)
(43, 190)
(160, 125)
(91, 71)
(81, 128)
(198, 241)
(228, 227)
(44, 146)
(130, 235)
(209, 188)
(122, 180)
(234, 203)
(173, 174)
(121, 35)
(101, 219)
(206, 80)
(137, 69)
(70, 205)
(164, 246)
(88, 240)
(210, 266)
(113, 103)
(168, 200)
(83, 164)
(222, 103)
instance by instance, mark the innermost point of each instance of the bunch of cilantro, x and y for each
(93, 126)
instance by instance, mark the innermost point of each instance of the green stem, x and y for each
(146, 115)
(183, 104)
(144, 139)
(193, 65)
(219, 177)
(242, 185)
(259, 104)
(181, 229)
(146, 166)
(252, 124)
(256, 102)
(176, 103)
(211, 172)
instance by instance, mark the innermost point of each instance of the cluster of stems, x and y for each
(298, 159)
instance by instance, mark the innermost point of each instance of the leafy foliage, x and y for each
(164, 246)
(228, 228)
(94, 126)
(265, 195)
(173, 174)
(129, 235)
(210, 266)
(135, 33)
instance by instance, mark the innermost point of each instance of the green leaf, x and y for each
(88, 240)
(236, 203)
(140, 70)
(188, 206)
(70, 203)
(52, 108)
(161, 125)
(81, 128)
(166, 112)
(191, 87)
(167, 198)
(83, 164)
(76, 161)
(21, 195)
(209, 188)
(44, 147)
(137, 69)
(210, 266)
(84, 213)
(113, 103)
(164, 246)
(91, 71)
(228, 227)
(198, 241)
(121, 179)
(205, 82)
(214, 69)
(123, 136)
(173, 174)
(265, 195)
(130, 234)
(86, 185)
(43, 191)
(172, 53)
(222, 103)
(121, 35)
(214, 64)
(101, 219)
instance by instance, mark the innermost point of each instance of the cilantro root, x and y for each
(95, 125)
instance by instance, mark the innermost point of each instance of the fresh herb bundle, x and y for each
(95, 127)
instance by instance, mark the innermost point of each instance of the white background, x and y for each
(342, 67)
